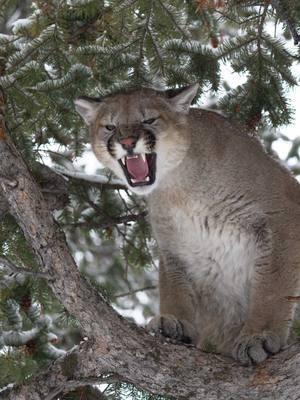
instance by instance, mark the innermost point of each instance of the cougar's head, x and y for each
(141, 134)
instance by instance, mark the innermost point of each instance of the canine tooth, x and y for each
(143, 156)
(147, 179)
(123, 160)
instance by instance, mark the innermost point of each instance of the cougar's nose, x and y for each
(128, 143)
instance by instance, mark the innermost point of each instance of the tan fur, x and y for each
(226, 217)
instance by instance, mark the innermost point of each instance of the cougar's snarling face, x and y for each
(139, 134)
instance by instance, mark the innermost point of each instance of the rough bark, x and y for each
(54, 188)
(114, 349)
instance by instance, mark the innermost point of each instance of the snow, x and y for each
(22, 23)
(7, 387)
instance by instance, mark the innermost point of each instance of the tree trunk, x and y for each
(113, 348)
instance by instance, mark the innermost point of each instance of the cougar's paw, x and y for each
(173, 328)
(255, 348)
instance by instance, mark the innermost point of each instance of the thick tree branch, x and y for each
(178, 371)
(53, 186)
(114, 347)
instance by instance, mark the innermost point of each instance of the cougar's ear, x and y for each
(87, 107)
(182, 98)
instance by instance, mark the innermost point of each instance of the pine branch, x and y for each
(230, 48)
(77, 71)
(176, 23)
(255, 113)
(39, 334)
(9, 80)
(145, 29)
(278, 49)
(283, 12)
(16, 339)
(111, 51)
(157, 49)
(21, 56)
(227, 17)
(262, 20)
(123, 5)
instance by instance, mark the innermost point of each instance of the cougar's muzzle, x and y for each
(139, 160)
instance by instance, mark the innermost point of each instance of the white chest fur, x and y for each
(219, 258)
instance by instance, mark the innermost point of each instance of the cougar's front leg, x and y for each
(275, 279)
(177, 304)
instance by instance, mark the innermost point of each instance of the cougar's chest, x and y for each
(219, 258)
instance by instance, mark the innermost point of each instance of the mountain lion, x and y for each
(225, 214)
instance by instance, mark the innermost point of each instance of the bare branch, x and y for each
(19, 270)
(131, 292)
(102, 179)
(110, 222)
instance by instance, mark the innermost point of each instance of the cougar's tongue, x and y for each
(137, 167)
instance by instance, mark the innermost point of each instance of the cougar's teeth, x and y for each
(133, 156)
(143, 156)
(147, 179)
(123, 160)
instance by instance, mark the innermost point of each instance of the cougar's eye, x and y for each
(149, 121)
(110, 127)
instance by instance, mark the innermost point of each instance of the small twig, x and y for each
(260, 29)
(110, 221)
(293, 299)
(262, 17)
(131, 292)
(239, 46)
(230, 18)
(11, 266)
(145, 30)
(157, 51)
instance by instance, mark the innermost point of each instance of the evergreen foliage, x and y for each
(53, 51)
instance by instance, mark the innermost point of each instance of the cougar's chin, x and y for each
(139, 170)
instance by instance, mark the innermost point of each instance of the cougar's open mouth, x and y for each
(139, 169)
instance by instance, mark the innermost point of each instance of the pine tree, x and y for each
(53, 51)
